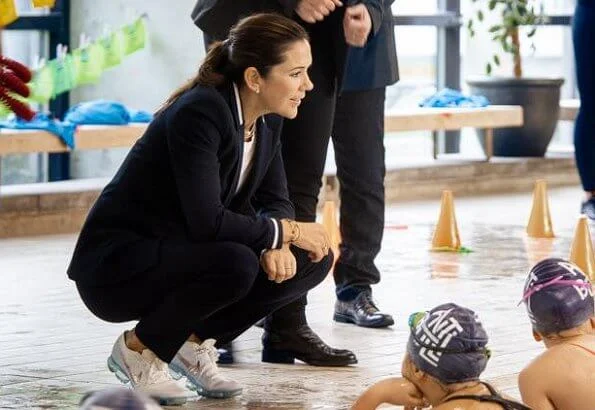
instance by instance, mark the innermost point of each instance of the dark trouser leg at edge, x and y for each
(358, 138)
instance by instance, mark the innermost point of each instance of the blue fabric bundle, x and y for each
(64, 131)
(103, 112)
(448, 97)
(98, 112)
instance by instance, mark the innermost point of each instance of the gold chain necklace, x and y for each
(249, 134)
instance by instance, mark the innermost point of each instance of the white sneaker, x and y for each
(198, 362)
(146, 373)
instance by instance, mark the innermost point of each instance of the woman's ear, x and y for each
(252, 79)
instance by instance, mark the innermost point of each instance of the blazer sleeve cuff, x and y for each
(277, 234)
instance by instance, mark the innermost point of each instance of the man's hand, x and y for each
(279, 264)
(312, 11)
(357, 25)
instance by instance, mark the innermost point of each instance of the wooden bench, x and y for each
(448, 119)
(55, 207)
(416, 119)
(569, 109)
(86, 137)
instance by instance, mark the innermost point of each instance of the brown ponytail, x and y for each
(258, 41)
(208, 74)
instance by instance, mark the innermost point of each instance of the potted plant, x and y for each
(539, 97)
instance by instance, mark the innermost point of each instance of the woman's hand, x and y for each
(279, 264)
(309, 236)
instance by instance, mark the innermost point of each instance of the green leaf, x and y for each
(532, 32)
(480, 15)
(488, 69)
(496, 60)
(495, 28)
(492, 4)
(507, 47)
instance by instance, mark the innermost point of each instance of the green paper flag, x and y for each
(42, 85)
(113, 48)
(63, 72)
(88, 63)
(134, 36)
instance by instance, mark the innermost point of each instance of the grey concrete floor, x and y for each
(52, 350)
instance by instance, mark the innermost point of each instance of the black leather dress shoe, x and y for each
(305, 345)
(362, 311)
(225, 353)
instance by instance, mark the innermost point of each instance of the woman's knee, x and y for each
(240, 266)
(109, 304)
(327, 262)
(320, 270)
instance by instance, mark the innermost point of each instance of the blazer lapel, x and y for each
(229, 96)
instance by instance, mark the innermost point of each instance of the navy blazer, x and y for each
(216, 17)
(374, 65)
(179, 182)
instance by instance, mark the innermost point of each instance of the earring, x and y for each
(257, 90)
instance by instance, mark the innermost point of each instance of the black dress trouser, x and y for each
(355, 119)
(213, 290)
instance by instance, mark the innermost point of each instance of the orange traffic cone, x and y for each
(329, 221)
(446, 234)
(540, 221)
(581, 251)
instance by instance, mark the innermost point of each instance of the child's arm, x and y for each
(396, 390)
(533, 390)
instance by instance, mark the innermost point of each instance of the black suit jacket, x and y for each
(216, 17)
(179, 182)
(374, 65)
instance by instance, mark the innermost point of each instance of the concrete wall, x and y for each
(144, 79)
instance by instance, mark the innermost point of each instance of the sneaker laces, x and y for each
(157, 371)
(207, 368)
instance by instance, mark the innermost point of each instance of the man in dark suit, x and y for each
(332, 28)
(358, 135)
